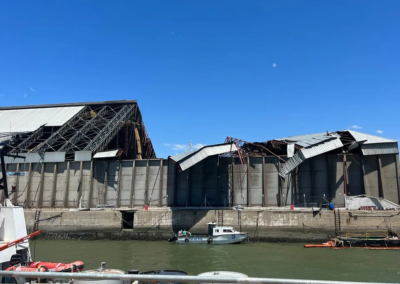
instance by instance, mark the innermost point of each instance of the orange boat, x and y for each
(328, 244)
(40, 266)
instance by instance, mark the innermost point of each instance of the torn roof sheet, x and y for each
(309, 152)
(187, 160)
(368, 138)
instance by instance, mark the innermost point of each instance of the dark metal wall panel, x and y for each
(182, 185)
(389, 177)
(126, 183)
(256, 181)
(154, 180)
(224, 180)
(48, 182)
(35, 185)
(371, 165)
(337, 185)
(271, 181)
(164, 193)
(74, 184)
(197, 184)
(140, 182)
(355, 175)
(321, 184)
(240, 183)
(305, 186)
(111, 193)
(171, 183)
(211, 180)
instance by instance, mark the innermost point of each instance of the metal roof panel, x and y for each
(28, 120)
(368, 138)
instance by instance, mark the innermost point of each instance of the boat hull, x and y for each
(357, 242)
(213, 240)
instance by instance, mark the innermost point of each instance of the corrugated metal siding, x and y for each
(48, 157)
(307, 153)
(28, 120)
(371, 139)
(380, 149)
(321, 148)
(81, 156)
(291, 164)
(203, 153)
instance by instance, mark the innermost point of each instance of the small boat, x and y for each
(40, 266)
(217, 235)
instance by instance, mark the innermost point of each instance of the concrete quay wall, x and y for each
(262, 225)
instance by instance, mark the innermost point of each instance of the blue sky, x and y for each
(204, 70)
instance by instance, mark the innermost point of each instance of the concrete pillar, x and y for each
(366, 185)
(80, 185)
(105, 185)
(248, 182)
(382, 186)
(17, 184)
(397, 176)
(312, 180)
(133, 184)
(118, 201)
(160, 191)
(329, 174)
(146, 191)
(40, 197)
(29, 188)
(90, 193)
(264, 183)
(66, 194)
(54, 187)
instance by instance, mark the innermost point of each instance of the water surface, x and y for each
(274, 260)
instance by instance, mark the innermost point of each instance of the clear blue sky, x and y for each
(204, 70)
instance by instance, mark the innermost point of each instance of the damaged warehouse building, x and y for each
(98, 154)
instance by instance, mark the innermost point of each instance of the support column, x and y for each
(175, 185)
(17, 184)
(397, 176)
(90, 194)
(312, 180)
(160, 190)
(80, 185)
(146, 191)
(232, 189)
(41, 187)
(118, 201)
(54, 187)
(66, 194)
(219, 201)
(345, 174)
(133, 184)
(248, 182)
(29, 187)
(105, 185)
(189, 184)
(264, 183)
(382, 183)
(366, 185)
(328, 168)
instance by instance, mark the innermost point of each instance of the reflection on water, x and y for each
(253, 259)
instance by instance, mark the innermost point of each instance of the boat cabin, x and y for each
(214, 230)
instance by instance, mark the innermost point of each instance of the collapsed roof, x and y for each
(84, 128)
(293, 150)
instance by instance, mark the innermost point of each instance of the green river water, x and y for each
(274, 260)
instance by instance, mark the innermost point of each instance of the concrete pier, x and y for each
(274, 225)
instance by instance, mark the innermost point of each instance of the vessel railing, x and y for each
(367, 234)
(168, 278)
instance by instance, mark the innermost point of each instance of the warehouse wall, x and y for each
(215, 181)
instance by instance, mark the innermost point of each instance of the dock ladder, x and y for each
(220, 217)
(336, 214)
